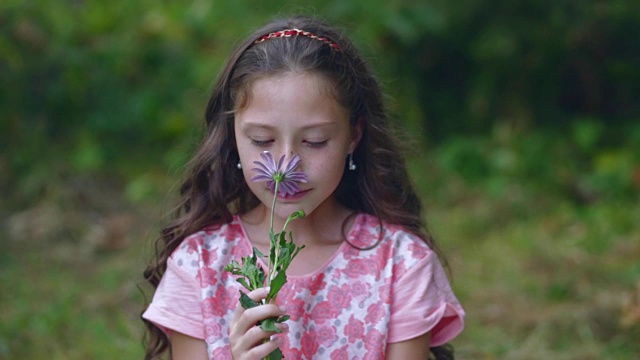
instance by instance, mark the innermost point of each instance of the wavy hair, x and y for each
(211, 194)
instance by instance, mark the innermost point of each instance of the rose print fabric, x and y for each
(350, 308)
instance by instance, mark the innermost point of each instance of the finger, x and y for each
(259, 294)
(261, 351)
(256, 295)
(256, 333)
(250, 317)
(254, 337)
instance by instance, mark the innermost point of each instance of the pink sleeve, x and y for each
(422, 301)
(176, 303)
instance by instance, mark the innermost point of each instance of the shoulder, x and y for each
(209, 245)
(385, 249)
(369, 231)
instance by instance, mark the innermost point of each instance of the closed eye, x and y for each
(316, 144)
(261, 143)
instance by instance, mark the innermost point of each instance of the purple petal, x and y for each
(289, 188)
(267, 170)
(263, 166)
(261, 177)
(293, 164)
(297, 176)
(280, 162)
(262, 170)
(269, 162)
(282, 190)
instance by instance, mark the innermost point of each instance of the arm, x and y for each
(185, 347)
(244, 334)
(413, 349)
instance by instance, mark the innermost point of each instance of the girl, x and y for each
(368, 284)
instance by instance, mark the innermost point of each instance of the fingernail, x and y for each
(283, 308)
(284, 327)
(267, 289)
(277, 340)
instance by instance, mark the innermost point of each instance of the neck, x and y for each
(322, 226)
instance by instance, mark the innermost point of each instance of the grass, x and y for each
(539, 276)
(61, 301)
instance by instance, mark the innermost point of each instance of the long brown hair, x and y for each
(213, 191)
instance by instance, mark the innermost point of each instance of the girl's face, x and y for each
(295, 113)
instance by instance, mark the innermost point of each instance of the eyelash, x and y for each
(261, 143)
(312, 144)
(316, 144)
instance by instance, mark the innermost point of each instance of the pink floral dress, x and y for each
(350, 308)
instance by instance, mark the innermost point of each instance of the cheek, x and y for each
(330, 171)
(246, 171)
(259, 189)
(247, 165)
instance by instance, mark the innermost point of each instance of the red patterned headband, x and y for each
(296, 32)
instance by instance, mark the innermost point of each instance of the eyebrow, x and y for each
(249, 124)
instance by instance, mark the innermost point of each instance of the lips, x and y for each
(296, 196)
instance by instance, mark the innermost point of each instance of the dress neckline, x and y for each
(357, 223)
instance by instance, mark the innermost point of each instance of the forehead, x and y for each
(292, 98)
(319, 83)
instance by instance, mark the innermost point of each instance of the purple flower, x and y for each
(271, 172)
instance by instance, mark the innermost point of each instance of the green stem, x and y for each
(275, 244)
(284, 228)
(273, 205)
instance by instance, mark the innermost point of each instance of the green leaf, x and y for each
(269, 324)
(233, 267)
(257, 252)
(250, 270)
(296, 215)
(275, 355)
(285, 256)
(297, 251)
(246, 301)
(282, 238)
(272, 248)
(247, 266)
(276, 284)
(283, 318)
(243, 281)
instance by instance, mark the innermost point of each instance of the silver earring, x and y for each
(352, 166)
(239, 166)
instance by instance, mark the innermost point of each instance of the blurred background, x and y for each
(524, 119)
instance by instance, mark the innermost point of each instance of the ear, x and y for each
(356, 133)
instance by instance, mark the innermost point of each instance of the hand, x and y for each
(246, 337)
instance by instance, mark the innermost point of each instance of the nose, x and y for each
(289, 151)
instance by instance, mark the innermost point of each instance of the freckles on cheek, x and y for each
(330, 169)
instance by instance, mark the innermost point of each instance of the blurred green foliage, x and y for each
(571, 164)
(528, 158)
(119, 87)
